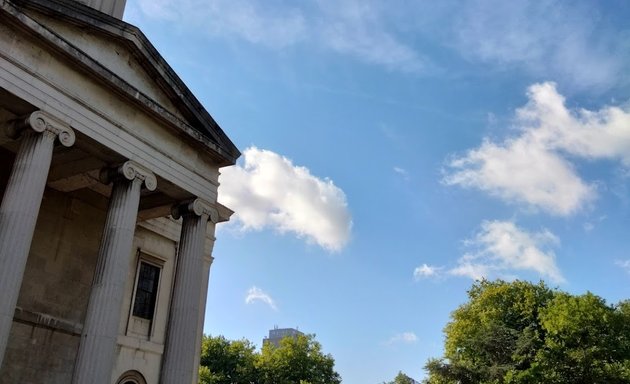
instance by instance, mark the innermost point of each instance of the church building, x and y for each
(109, 171)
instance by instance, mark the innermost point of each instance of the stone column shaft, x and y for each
(20, 206)
(179, 364)
(97, 348)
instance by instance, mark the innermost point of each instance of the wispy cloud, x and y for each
(349, 27)
(624, 264)
(566, 41)
(269, 191)
(502, 249)
(403, 338)
(357, 28)
(570, 42)
(535, 167)
(402, 172)
(591, 224)
(274, 27)
(255, 294)
(425, 271)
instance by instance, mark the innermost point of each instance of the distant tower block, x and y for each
(114, 8)
(276, 334)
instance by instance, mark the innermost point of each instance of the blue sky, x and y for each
(395, 151)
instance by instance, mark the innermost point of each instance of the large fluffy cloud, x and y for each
(604, 133)
(523, 172)
(534, 167)
(268, 190)
(502, 249)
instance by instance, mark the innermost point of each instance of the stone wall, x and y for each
(53, 298)
(54, 294)
(39, 355)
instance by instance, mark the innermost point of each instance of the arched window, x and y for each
(132, 377)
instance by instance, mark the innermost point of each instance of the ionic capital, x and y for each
(41, 122)
(130, 170)
(197, 207)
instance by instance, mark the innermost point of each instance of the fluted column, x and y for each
(95, 358)
(179, 365)
(20, 206)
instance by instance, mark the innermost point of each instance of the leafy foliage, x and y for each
(227, 362)
(401, 378)
(297, 360)
(520, 333)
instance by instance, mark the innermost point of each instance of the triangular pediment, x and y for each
(119, 55)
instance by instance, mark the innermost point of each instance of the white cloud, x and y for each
(356, 28)
(601, 134)
(566, 41)
(402, 172)
(546, 38)
(255, 294)
(350, 27)
(403, 338)
(251, 21)
(466, 266)
(624, 264)
(534, 167)
(267, 190)
(501, 248)
(520, 171)
(424, 271)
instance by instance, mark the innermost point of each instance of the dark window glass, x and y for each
(146, 291)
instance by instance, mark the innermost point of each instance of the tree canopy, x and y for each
(520, 333)
(226, 362)
(296, 360)
(401, 378)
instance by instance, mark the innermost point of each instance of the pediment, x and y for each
(114, 55)
(120, 56)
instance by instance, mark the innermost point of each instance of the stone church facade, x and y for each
(109, 173)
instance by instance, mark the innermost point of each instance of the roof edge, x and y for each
(181, 96)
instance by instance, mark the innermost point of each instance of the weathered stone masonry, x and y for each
(109, 174)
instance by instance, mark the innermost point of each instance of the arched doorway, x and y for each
(132, 377)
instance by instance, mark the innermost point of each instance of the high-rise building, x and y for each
(276, 334)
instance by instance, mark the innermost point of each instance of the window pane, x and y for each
(146, 291)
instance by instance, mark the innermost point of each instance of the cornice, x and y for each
(204, 130)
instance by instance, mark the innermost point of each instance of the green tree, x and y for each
(586, 341)
(227, 362)
(297, 360)
(519, 333)
(401, 378)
